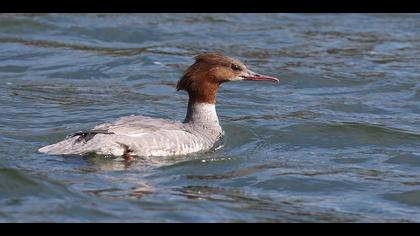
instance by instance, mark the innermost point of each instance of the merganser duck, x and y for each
(135, 135)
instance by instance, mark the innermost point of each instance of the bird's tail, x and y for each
(84, 142)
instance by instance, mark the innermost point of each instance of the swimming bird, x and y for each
(137, 135)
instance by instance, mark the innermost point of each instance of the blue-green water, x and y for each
(338, 140)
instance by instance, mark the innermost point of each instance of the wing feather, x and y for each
(136, 126)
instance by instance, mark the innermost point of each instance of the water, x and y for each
(338, 140)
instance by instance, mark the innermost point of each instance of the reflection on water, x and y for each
(336, 141)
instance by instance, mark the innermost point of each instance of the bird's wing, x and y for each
(135, 126)
(143, 135)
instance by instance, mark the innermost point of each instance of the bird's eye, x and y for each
(236, 67)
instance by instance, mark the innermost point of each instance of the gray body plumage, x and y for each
(146, 136)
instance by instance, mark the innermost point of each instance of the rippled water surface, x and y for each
(338, 140)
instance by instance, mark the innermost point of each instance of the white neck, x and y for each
(202, 113)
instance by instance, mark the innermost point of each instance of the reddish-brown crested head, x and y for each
(202, 79)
